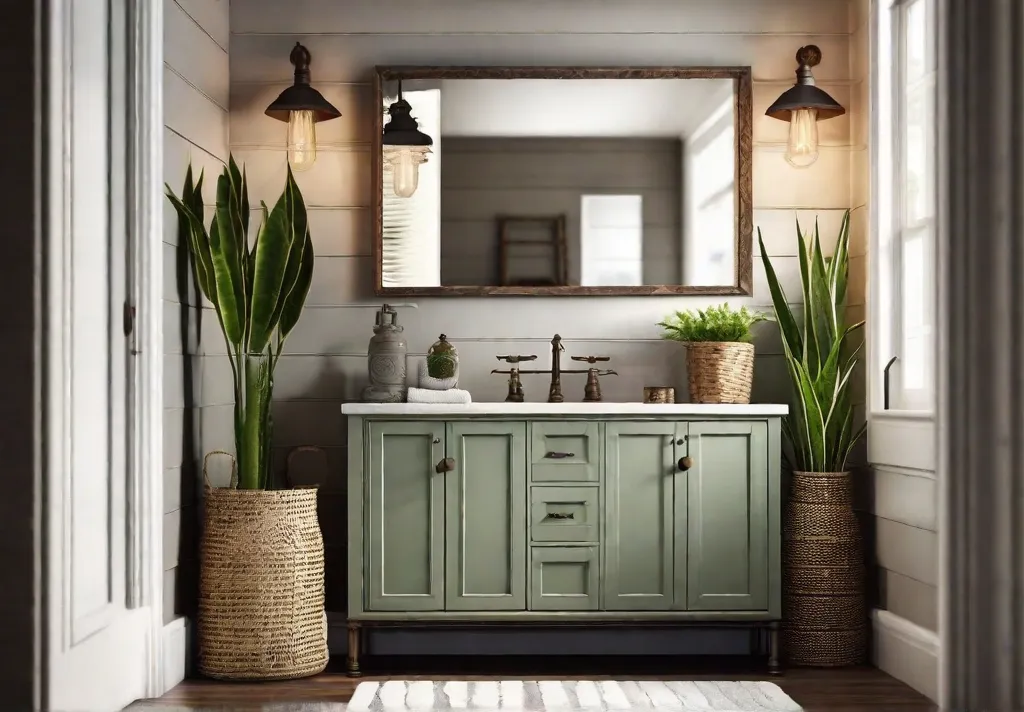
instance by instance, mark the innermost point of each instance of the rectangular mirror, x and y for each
(563, 181)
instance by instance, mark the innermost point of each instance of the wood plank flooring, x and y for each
(843, 690)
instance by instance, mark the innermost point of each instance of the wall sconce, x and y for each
(405, 147)
(302, 107)
(803, 106)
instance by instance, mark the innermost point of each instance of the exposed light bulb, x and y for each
(404, 162)
(802, 147)
(301, 140)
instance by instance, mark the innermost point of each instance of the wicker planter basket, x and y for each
(824, 611)
(719, 371)
(261, 590)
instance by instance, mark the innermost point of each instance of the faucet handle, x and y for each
(516, 358)
(591, 359)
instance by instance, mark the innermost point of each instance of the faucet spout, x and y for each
(555, 392)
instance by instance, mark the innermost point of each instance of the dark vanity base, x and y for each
(764, 641)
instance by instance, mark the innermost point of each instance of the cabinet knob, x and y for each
(437, 441)
(446, 465)
(685, 463)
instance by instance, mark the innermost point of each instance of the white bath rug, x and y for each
(570, 696)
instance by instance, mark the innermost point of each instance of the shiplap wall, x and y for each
(195, 129)
(325, 357)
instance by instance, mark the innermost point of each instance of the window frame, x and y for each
(891, 229)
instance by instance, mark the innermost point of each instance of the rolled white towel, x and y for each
(426, 395)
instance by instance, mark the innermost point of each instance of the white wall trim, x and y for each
(176, 647)
(145, 99)
(906, 651)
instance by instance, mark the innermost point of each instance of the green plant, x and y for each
(720, 323)
(440, 365)
(257, 292)
(821, 353)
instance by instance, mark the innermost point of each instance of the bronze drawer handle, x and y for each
(561, 515)
(560, 455)
(685, 463)
(446, 465)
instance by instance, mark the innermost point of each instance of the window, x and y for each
(411, 240)
(710, 199)
(611, 240)
(904, 297)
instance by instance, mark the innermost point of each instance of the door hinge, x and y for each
(128, 315)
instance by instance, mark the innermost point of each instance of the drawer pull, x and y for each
(560, 455)
(561, 515)
(446, 465)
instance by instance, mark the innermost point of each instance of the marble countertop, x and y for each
(554, 409)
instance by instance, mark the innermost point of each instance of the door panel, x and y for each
(723, 500)
(486, 517)
(639, 485)
(406, 516)
(98, 649)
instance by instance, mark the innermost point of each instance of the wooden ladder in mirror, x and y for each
(532, 251)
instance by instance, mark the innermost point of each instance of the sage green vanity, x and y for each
(563, 512)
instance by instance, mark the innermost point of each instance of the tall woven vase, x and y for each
(261, 590)
(719, 371)
(824, 611)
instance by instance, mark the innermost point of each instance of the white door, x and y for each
(98, 651)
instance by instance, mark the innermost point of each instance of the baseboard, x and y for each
(337, 633)
(176, 652)
(906, 651)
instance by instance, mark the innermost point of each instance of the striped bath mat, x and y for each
(569, 696)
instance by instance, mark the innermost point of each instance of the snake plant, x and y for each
(257, 292)
(821, 352)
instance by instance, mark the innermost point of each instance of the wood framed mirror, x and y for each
(648, 170)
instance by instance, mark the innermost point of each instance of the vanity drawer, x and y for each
(564, 514)
(566, 451)
(565, 578)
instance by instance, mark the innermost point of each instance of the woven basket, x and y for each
(824, 611)
(719, 371)
(261, 588)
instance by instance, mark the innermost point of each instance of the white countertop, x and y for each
(549, 409)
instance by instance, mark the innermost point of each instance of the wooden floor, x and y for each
(845, 690)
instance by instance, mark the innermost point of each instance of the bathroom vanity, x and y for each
(563, 513)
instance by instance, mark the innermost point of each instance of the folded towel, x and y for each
(425, 395)
(437, 384)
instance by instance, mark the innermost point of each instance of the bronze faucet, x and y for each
(592, 391)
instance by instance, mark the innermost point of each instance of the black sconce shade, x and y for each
(301, 96)
(805, 95)
(402, 129)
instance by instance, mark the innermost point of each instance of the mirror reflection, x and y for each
(559, 183)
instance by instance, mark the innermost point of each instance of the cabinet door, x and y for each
(639, 478)
(486, 517)
(405, 525)
(723, 500)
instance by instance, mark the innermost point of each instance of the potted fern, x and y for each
(719, 355)
(823, 562)
(261, 590)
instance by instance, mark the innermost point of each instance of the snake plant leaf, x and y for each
(199, 244)
(228, 291)
(298, 246)
(268, 276)
(783, 314)
(300, 290)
